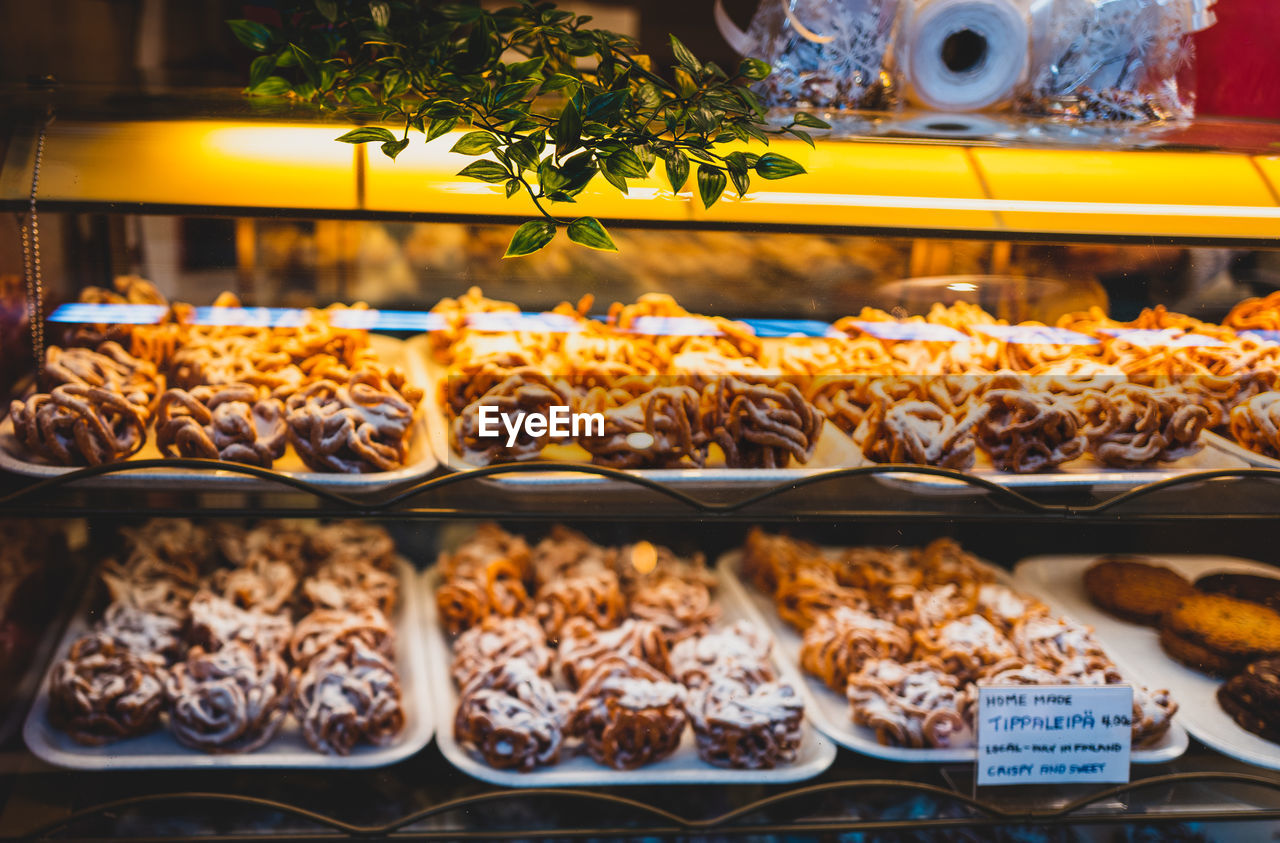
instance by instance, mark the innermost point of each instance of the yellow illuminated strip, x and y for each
(1269, 167)
(193, 162)
(1129, 192)
(1028, 205)
(863, 184)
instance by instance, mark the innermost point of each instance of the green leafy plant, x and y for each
(545, 125)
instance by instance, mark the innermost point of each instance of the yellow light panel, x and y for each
(1113, 192)
(863, 184)
(855, 184)
(202, 163)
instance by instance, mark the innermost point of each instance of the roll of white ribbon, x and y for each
(964, 55)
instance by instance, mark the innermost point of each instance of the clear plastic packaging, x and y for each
(824, 53)
(1117, 60)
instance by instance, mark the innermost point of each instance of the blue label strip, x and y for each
(416, 321)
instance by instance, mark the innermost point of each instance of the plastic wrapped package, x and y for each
(967, 55)
(1117, 60)
(824, 53)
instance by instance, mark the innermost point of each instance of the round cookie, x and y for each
(1229, 627)
(1251, 587)
(1259, 685)
(1195, 656)
(1133, 589)
(1245, 710)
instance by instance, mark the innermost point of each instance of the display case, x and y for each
(935, 374)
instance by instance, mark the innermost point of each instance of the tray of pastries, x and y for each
(310, 398)
(1252, 432)
(568, 663)
(894, 643)
(692, 402)
(286, 644)
(686, 397)
(1205, 627)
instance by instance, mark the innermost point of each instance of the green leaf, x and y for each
(577, 172)
(526, 152)
(487, 171)
(677, 169)
(683, 55)
(649, 95)
(739, 170)
(513, 187)
(754, 133)
(751, 101)
(567, 133)
(605, 107)
(440, 126)
(307, 64)
(802, 135)
(549, 176)
(646, 155)
(614, 177)
(514, 92)
(475, 143)
(393, 148)
(525, 69)
(774, 166)
(561, 80)
(272, 86)
(530, 237)
(328, 8)
(381, 12)
(252, 34)
(754, 69)
(711, 183)
(259, 69)
(626, 163)
(395, 83)
(740, 162)
(360, 96)
(803, 119)
(587, 231)
(365, 134)
(703, 120)
(685, 82)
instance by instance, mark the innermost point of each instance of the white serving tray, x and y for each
(1085, 472)
(420, 462)
(1059, 581)
(1230, 446)
(830, 711)
(160, 750)
(682, 767)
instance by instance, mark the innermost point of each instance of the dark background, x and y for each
(184, 42)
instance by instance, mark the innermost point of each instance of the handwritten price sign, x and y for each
(1046, 734)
